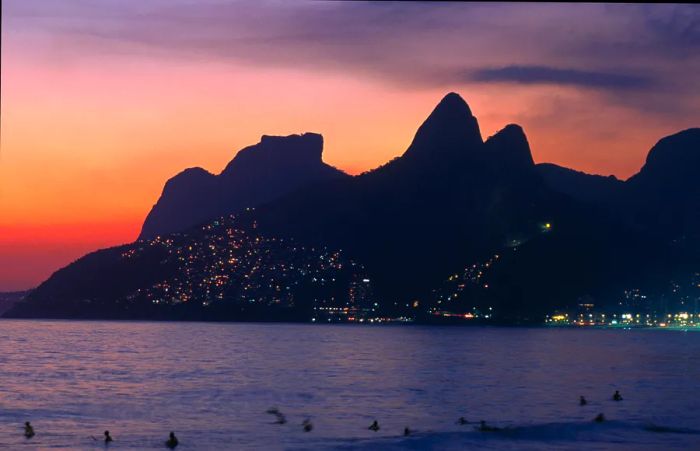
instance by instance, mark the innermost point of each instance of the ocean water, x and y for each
(212, 383)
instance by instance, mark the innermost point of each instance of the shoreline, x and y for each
(490, 325)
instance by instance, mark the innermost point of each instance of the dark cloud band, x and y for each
(558, 76)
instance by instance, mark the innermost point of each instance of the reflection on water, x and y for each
(213, 383)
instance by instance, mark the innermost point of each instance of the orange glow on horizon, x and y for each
(30, 253)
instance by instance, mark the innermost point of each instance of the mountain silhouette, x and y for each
(663, 198)
(450, 201)
(275, 166)
(665, 195)
(510, 147)
(450, 130)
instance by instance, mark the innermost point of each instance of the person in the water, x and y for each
(617, 396)
(281, 419)
(582, 401)
(108, 438)
(406, 431)
(28, 430)
(307, 425)
(599, 418)
(172, 441)
(462, 421)
(374, 426)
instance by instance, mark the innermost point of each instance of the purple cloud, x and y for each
(652, 50)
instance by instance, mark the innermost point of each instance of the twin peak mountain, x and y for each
(277, 166)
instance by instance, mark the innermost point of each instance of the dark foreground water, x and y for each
(212, 383)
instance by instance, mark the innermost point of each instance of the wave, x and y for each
(669, 430)
(556, 435)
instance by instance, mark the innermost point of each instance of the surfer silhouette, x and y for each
(28, 430)
(172, 441)
(307, 425)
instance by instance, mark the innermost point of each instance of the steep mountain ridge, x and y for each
(276, 166)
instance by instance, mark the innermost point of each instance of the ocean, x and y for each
(212, 383)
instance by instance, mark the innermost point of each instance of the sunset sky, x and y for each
(104, 100)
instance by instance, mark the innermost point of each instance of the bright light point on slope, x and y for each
(548, 226)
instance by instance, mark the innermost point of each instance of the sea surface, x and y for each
(212, 384)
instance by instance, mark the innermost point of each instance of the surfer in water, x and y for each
(374, 426)
(582, 401)
(28, 430)
(462, 421)
(172, 441)
(599, 418)
(281, 419)
(406, 431)
(307, 425)
(617, 396)
(108, 438)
